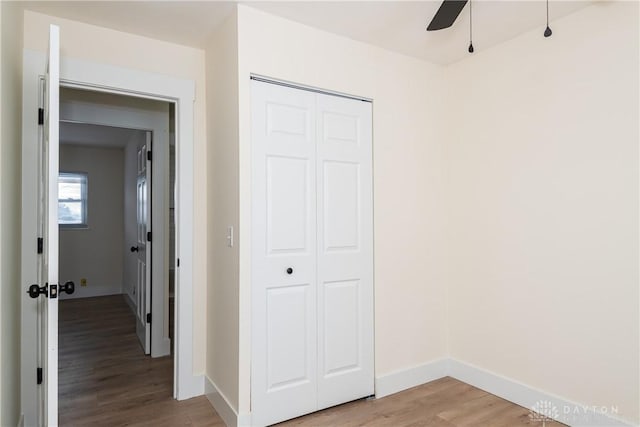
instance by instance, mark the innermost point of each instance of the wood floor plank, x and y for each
(106, 380)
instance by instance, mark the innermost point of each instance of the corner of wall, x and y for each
(221, 59)
(542, 184)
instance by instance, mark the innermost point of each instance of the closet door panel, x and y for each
(312, 252)
(341, 206)
(342, 321)
(345, 250)
(287, 196)
(289, 336)
(284, 295)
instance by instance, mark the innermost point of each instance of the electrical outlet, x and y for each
(83, 282)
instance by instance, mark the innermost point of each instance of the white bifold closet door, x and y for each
(312, 252)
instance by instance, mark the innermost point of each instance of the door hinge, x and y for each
(148, 317)
(149, 155)
(148, 236)
(38, 376)
(40, 116)
(40, 245)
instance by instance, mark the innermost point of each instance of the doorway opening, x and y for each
(117, 244)
(38, 338)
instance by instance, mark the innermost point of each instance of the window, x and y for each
(72, 200)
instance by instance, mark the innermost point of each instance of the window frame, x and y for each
(84, 199)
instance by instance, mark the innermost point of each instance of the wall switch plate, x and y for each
(230, 236)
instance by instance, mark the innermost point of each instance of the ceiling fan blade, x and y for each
(446, 14)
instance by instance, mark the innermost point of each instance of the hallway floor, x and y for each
(106, 380)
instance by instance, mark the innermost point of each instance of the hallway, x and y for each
(106, 380)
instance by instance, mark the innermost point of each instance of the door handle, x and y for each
(134, 249)
(289, 270)
(68, 287)
(35, 291)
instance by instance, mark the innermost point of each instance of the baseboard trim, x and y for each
(401, 380)
(568, 412)
(193, 386)
(165, 348)
(96, 292)
(130, 303)
(244, 420)
(221, 404)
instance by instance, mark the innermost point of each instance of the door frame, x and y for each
(121, 81)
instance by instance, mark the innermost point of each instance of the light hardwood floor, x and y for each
(446, 402)
(105, 380)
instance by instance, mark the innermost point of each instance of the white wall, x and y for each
(96, 252)
(10, 173)
(543, 186)
(222, 296)
(539, 184)
(92, 43)
(409, 219)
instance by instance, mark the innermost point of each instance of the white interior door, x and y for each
(48, 220)
(143, 219)
(312, 330)
(345, 250)
(284, 348)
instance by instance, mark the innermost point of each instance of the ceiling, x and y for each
(395, 25)
(95, 135)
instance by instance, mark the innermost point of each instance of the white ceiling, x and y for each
(95, 135)
(395, 25)
(401, 25)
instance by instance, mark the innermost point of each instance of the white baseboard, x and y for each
(165, 348)
(220, 403)
(130, 303)
(95, 291)
(401, 380)
(244, 420)
(191, 386)
(568, 412)
(222, 406)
